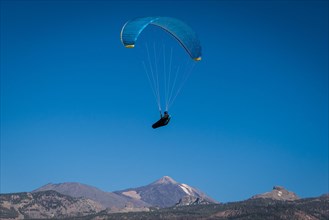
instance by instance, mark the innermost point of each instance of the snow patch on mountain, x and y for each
(279, 193)
(186, 188)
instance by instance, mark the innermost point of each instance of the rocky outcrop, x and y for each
(192, 200)
(278, 193)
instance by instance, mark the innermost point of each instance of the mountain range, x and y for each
(164, 192)
(165, 198)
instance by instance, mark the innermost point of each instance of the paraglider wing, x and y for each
(181, 31)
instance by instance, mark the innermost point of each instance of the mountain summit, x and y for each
(164, 192)
(165, 180)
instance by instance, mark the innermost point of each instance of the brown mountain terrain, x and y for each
(48, 204)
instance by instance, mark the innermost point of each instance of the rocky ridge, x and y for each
(192, 200)
(48, 204)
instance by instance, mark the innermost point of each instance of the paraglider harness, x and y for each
(164, 120)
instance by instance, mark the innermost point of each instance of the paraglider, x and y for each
(186, 37)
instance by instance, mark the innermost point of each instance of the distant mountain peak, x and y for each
(165, 180)
(278, 193)
(72, 187)
(77, 190)
(165, 192)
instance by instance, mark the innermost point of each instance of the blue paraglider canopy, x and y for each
(181, 31)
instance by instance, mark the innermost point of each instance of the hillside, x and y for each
(47, 204)
(255, 209)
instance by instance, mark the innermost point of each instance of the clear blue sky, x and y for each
(76, 105)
